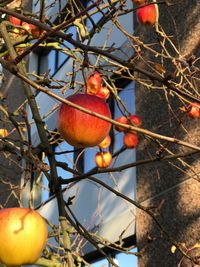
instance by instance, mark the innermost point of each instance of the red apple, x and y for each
(93, 84)
(121, 119)
(130, 140)
(147, 15)
(80, 129)
(14, 20)
(28, 27)
(138, 2)
(105, 143)
(103, 92)
(23, 235)
(103, 159)
(135, 120)
(193, 110)
(36, 31)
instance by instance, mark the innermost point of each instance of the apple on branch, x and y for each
(94, 83)
(15, 21)
(193, 110)
(134, 120)
(148, 14)
(36, 31)
(130, 139)
(105, 143)
(121, 119)
(27, 26)
(80, 129)
(103, 159)
(23, 235)
(103, 93)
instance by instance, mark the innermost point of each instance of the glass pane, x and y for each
(125, 260)
(66, 47)
(64, 153)
(52, 61)
(44, 186)
(121, 259)
(90, 156)
(101, 263)
(95, 17)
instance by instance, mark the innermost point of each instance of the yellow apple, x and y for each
(103, 159)
(105, 143)
(23, 235)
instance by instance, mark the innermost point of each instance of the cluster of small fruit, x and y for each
(21, 28)
(146, 14)
(130, 138)
(84, 130)
(103, 158)
(94, 86)
(25, 28)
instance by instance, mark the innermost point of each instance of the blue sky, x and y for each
(122, 259)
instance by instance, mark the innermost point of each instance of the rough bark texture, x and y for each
(171, 188)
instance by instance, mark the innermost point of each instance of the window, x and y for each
(93, 205)
(121, 259)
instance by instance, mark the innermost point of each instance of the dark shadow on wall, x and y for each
(171, 188)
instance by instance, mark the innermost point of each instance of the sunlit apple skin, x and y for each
(194, 110)
(27, 26)
(147, 15)
(121, 119)
(135, 120)
(93, 84)
(105, 143)
(23, 235)
(103, 93)
(130, 140)
(80, 129)
(103, 159)
(14, 20)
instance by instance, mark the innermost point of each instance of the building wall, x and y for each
(10, 165)
(172, 187)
